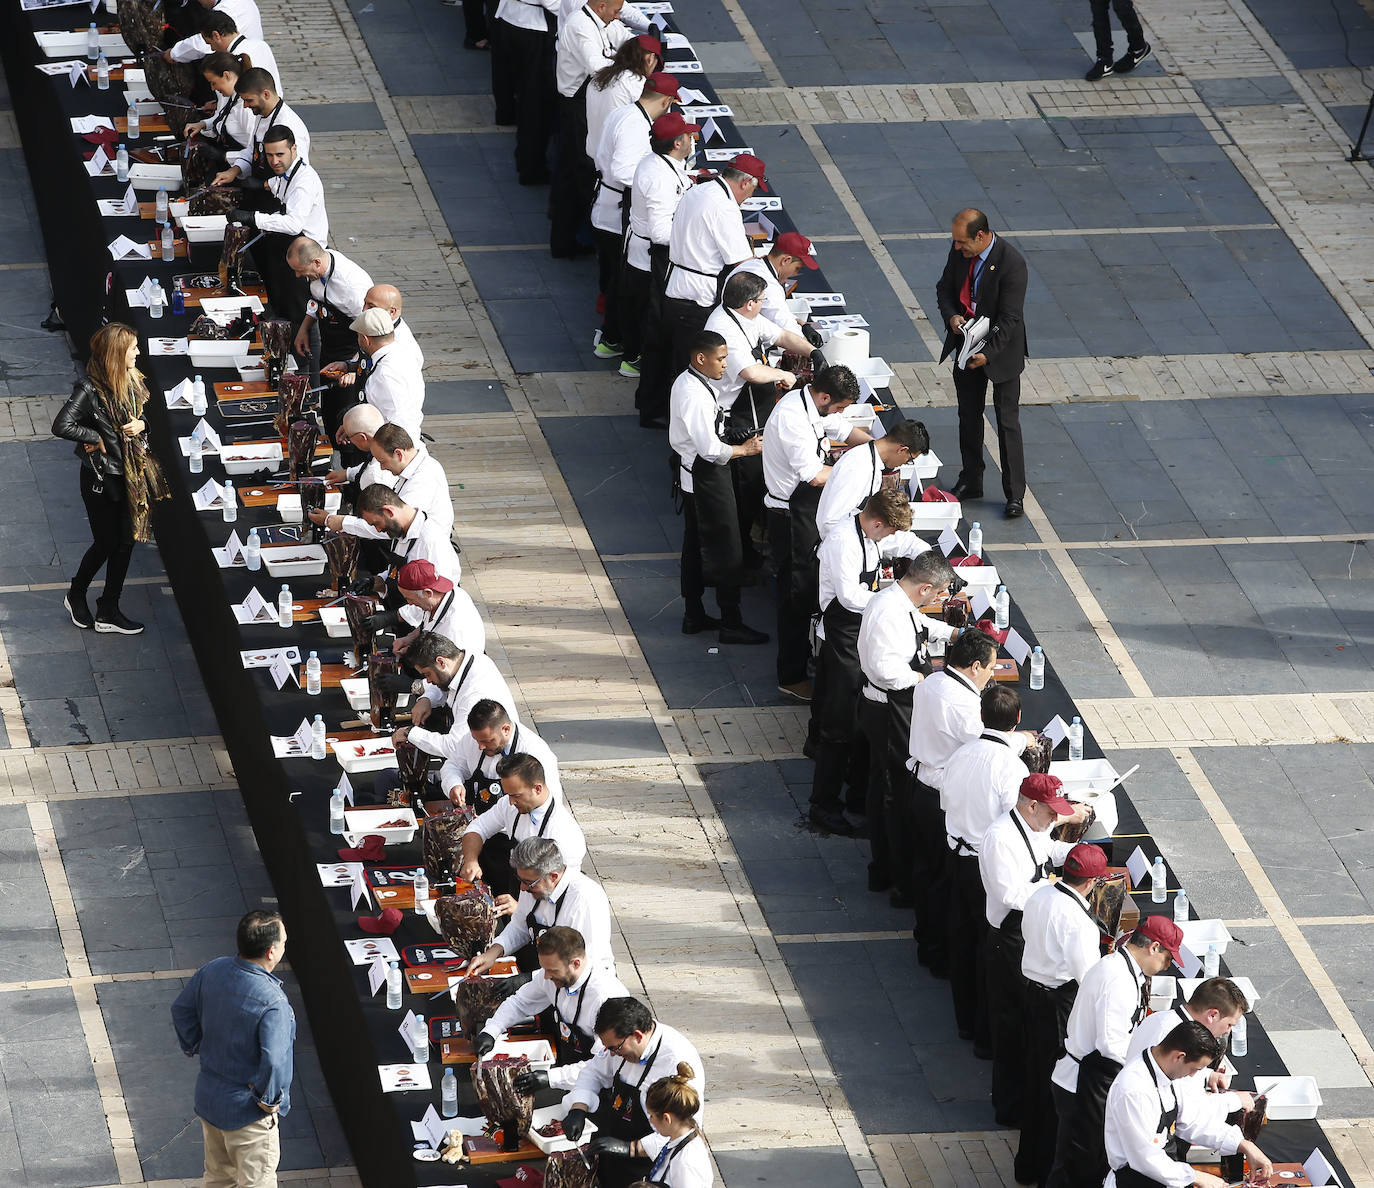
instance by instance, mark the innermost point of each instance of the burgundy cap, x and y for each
(373, 847)
(663, 83)
(1085, 862)
(670, 125)
(1044, 789)
(1163, 931)
(420, 575)
(650, 43)
(383, 925)
(525, 1177)
(750, 164)
(794, 243)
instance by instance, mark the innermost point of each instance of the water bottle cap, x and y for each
(319, 717)
(1077, 720)
(977, 525)
(394, 965)
(1036, 648)
(314, 655)
(287, 586)
(1001, 589)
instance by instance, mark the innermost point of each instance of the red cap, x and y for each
(420, 575)
(383, 925)
(372, 848)
(1164, 932)
(663, 83)
(1044, 789)
(651, 43)
(795, 244)
(750, 164)
(1085, 862)
(525, 1177)
(670, 125)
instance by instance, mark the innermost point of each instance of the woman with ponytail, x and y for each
(676, 1146)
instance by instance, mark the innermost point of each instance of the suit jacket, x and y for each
(1001, 299)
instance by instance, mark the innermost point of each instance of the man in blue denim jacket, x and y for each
(234, 1014)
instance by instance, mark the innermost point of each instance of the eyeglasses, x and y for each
(529, 884)
(614, 1049)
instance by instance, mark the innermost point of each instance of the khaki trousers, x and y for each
(243, 1158)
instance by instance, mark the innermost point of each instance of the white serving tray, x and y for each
(248, 459)
(309, 568)
(934, 517)
(356, 690)
(58, 43)
(204, 229)
(556, 1113)
(229, 306)
(1198, 935)
(335, 620)
(1290, 1097)
(209, 352)
(1084, 775)
(875, 371)
(289, 506)
(356, 821)
(154, 177)
(353, 763)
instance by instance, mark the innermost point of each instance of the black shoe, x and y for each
(79, 611)
(809, 750)
(1099, 71)
(831, 822)
(742, 633)
(1014, 509)
(1131, 59)
(653, 422)
(964, 489)
(694, 623)
(116, 621)
(878, 882)
(900, 899)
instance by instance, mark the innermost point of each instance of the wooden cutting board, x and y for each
(178, 249)
(480, 1149)
(146, 123)
(1007, 670)
(242, 389)
(267, 496)
(330, 677)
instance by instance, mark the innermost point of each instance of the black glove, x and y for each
(239, 215)
(362, 584)
(574, 1124)
(604, 1144)
(812, 335)
(532, 1080)
(249, 182)
(818, 363)
(383, 621)
(738, 434)
(484, 1043)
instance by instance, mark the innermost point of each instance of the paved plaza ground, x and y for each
(1195, 560)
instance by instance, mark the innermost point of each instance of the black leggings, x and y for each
(112, 545)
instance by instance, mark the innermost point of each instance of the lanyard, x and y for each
(438, 618)
(606, 50)
(871, 581)
(264, 125)
(535, 928)
(1138, 981)
(711, 392)
(993, 738)
(543, 825)
(290, 177)
(580, 993)
(218, 121)
(809, 406)
(648, 1064)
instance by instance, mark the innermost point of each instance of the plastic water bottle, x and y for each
(102, 72)
(312, 675)
(252, 552)
(419, 1040)
(198, 402)
(196, 453)
(975, 540)
(169, 244)
(178, 297)
(157, 300)
(1240, 1038)
(1037, 675)
(92, 43)
(121, 163)
(133, 121)
(163, 206)
(317, 738)
(285, 603)
(1211, 963)
(1159, 881)
(448, 1095)
(1076, 740)
(336, 812)
(1181, 906)
(421, 890)
(393, 988)
(231, 503)
(1002, 609)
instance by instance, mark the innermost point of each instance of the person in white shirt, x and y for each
(454, 680)
(712, 551)
(860, 472)
(1146, 1107)
(795, 470)
(1111, 1003)
(257, 91)
(573, 988)
(660, 181)
(946, 712)
(393, 383)
(469, 775)
(791, 252)
(336, 288)
(388, 297)
(413, 536)
(246, 19)
(435, 605)
(523, 37)
(638, 1051)
(748, 335)
(530, 808)
(416, 475)
(298, 194)
(1063, 940)
(619, 83)
(229, 127)
(219, 33)
(676, 1146)
(894, 640)
(624, 140)
(850, 566)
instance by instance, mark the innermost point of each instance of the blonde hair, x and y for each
(891, 506)
(122, 386)
(675, 1095)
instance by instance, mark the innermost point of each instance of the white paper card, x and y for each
(819, 300)
(208, 497)
(658, 23)
(166, 347)
(295, 747)
(336, 874)
(676, 41)
(124, 248)
(431, 1129)
(762, 202)
(696, 114)
(717, 155)
(655, 8)
(255, 609)
(841, 322)
(767, 226)
(376, 976)
(282, 672)
(1057, 729)
(687, 67)
(980, 602)
(949, 541)
(368, 949)
(688, 95)
(100, 165)
(1316, 1168)
(407, 1028)
(263, 657)
(209, 439)
(233, 548)
(180, 396)
(345, 785)
(1188, 962)
(361, 892)
(710, 131)
(1138, 867)
(1017, 648)
(92, 123)
(403, 1078)
(77, 74)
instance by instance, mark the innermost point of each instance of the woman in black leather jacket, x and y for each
(119, 478)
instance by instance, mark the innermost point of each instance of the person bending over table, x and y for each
(469, 776)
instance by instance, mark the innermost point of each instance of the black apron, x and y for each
(842, 624)
(259, 168)
(718, 277)
(482, 791)
(571, 1044)
(722, 554)
(269, 252)
(658, 1173)
(658, 252)
(802, 505)
(214, 134)
(1012, 924)
(620, 1113)
(1128, 1177)
(337, 341)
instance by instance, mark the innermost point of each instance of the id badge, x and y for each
(564, 1030)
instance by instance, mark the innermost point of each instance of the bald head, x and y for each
(387, 297)
(363, 419)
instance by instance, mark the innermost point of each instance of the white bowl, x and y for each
(1199, 935)
(289, 506)
(240, 459)
(556, 1113)
(934, 517)
(316, 564)
(357, 821)
(335, 620)
(204, 229)
(1290, 1097)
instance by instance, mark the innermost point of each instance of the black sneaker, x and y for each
(1130, 59)
(117, 621)
(1099, 71)
(79, 611)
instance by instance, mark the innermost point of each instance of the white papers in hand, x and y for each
(975, 335)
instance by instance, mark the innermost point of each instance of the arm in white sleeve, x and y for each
(357, 526)
(190, 49)
(525, 1003)
(595, 1076)
(445, 746)
(852, 594)
(515, 936)
(903, 544)
(301, 200)
(630, 15)
(1132, 1117)
(1204, 1127)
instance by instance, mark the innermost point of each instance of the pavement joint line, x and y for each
(96, 979)
(11, 712)
(1288, 927)
(1062, 232)
(1187, 542)
(347, 1177)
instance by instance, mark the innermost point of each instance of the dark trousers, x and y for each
(692, 584)
(610, 248)
(968, 925)
(1047, 1018)
(930, 875)
(522, 85)
(682, 321)
(474, 20)
(112, 539)
(1006, 1013)
(971, 388)
(571, 201)
(838, 759)
(1102, 27)
(634, 289)
(889, 794)
(794, 612)
(1080, 1150)
(287, 292)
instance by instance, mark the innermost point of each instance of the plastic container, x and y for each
(363, 822)
(1198, 934)
(281, 560)
(1290, 1097)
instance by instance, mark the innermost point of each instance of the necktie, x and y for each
(966, 291)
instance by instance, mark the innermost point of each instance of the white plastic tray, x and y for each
(861, 414)
(254, 371)
(57, 43)
(207, 352)
(1290, 1097)
(1084, 775)
(335, 620)
(356, 821)
(556, 1113)
(204, 228)
(1198, 935)
(978, 577)
(229, 306)
(154, 177)
(289, 506)
(875, 371)
(316, 564)
(248, 459)
(1186, 987)
(934, 517)
(369, 760)
(356, 690)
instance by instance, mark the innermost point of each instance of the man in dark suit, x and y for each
(986, 277)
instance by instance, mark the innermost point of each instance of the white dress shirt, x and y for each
(301, 191)
(585, 45)
(527, 14)
(747, 340)
(365, 474)
(946, 712)
(982, 781)
(1063, 940)
(694, 424)
(467, 757)
(259, 54)
(1012, 858)
(395, 387)
(247, 21)
(794, 440)
(689, 1163)
(629, 15)
(1152, 1031)
(476, 680)
(624, 89)
(658, 186)
(1105, 1012)
(424, 484)
(344, 286)
(708, 234)
(577, 902)
(844, 556)
(283, 113)
(406, 344)
(455, 618)
(890, 635)
(774, 295)
(575, 1008)
(1135, 1102)
(231, 120)
(623, 145)
(666, 1049)
(857, 475)
(424, 541)
(553, 820)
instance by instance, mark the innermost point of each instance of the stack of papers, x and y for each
(975, 335)
(92, 123)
